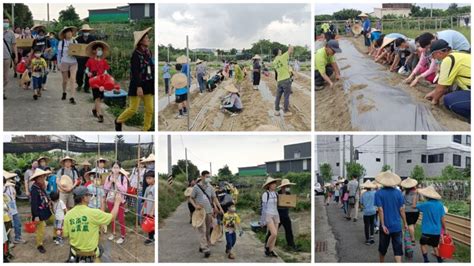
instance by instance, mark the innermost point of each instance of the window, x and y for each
(305, 165)
(337, 164)
(377, 159)
(337, 139)
(147, 10)
(297, 155)
(468, 161)
(436, 158)
(425, 137)
(278, 166)
(457, 138)
(468, 140)
(423, 158)
(409, 161)
(456, 160)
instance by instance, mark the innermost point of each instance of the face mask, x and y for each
(86, 34)
(99, 52)
(438, 62)
(37, 55)
(6, 25)
(287, 189)
(208, 181)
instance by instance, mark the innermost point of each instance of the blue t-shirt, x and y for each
(375, 35)
(181, 91)
(390, 200)
(367, 200)
(367, 25)
(54, 44)
(433, 211)
(52, 186)
(456, 40)
(166, 72)
(395, 36)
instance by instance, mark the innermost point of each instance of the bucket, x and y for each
(30, 227)
(446, 251)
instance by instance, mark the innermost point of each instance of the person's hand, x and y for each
(331, 85)
(27, 193)
(433, 96)
(89, 75)
(140, 92)
(101, 88)
(338, 77)
(405, 226)
(198, 206)
(415, 81)
(15, 60)
(37, 219)
(118, 198)
(408, 80)
(241, 233)
(385, 230)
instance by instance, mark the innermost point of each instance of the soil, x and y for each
(132, 250)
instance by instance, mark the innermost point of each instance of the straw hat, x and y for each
(269, 181)
(65, 183)
(102, 160)
(179, 81)
(8, 175)
(182, 59)
(149, 159)
(138, 35)
(387, 41)
(10, 183)
(327, 184)
(105, 47)
(188, 191)
(37, 27)
(376, 184)
(198, 217)
(87, 174)
(61, 33)
(84, 163)
(362, 15)
(368, 184)
(199, 61)
(86, 27)
(256, 57)
(67, 158)
(285, 182)
(216, 234)
(388, 179)
(43, 158)
(429, 192)
(409, 183)
(39, 172)
(231, 88)
(124, 172)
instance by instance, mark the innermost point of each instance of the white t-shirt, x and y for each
(272, 204)
(59, 208)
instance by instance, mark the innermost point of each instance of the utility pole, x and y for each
(47, 11)
(67, 146)
(431, 11)
(351, 143)
(210, 168)
(168, 53)
(186, 158)
(169, 155)
(343, 156)
(13, 17)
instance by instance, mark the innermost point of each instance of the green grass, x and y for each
(413, 33)
(303, 241)
(135, 121)
(462, 253)
(170, 198)
(458, 207)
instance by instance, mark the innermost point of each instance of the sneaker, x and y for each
(101, 119)
(227, 251)
(207, 254)
(56, 242)
(372, 241)
(376, 230)
(19, 241)
(185, 113)
(120, 241)
(35, 97)
(267, 251)
(94, 112)
(149, 242)
(179, 116)
(354, 220)
(367, 242)
(64, 96)
(118, 126)
(41, 249)
(231, 256)
(277, 113)
(201, 250)
(72, 101)
(273, 254)
(287, 113)
(111, 237)
(234, 114)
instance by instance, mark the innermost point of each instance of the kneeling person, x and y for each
(325, 64)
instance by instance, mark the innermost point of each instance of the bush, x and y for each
(418, 173)
(355, 169)
(326, 172)
(452, 173)
(169, 197)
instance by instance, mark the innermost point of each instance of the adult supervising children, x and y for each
(282, 68)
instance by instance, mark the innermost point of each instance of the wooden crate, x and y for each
(77, 49)
(24, 43)
(288, 201)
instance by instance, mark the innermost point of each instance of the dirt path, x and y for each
(49, 113)
(179, 243)
(133, 250)
(258, 110)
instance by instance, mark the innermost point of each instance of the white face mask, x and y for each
(37, 55)
(99, 52)
(86, 34)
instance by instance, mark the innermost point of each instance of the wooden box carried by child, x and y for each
(288, 201)
(24, 43)
(77, 49)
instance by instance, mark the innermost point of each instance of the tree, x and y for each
(451, 173)
(180, 168)
(355, 169)
(467, 172)
(345, 14)
(418, 173)
(386, 167)
(23, 16)
(69, 17)
(224, 171)
(326, 172)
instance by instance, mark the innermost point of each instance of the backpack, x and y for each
(62, 46)
(261, 201)
(74, 174)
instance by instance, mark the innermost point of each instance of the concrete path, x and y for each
(178, 242)
(324, 234)
(49, 113)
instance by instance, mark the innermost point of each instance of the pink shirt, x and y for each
(120, 184)
(423, 64)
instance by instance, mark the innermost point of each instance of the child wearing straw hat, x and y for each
(142, 81)
(367, 200)
(40, 206)
(232, 102)
(67, 179)
(179, 83)
(97, 65)
(433, 221)
(270, 216)
(9, 191)
(411, 199)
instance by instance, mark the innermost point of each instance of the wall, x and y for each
(303, 148)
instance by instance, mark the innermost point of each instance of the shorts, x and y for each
(58, 224)
(63, 67)
(275, 219)
(97, 94)
(430, 240)
(384, 242)
(412, 217)
(37, 82)
(181, 98)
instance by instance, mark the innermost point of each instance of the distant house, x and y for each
(131, 12)
(297, 158)
(397, 9)
(259, 170)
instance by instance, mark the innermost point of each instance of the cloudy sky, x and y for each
(40, 12)
(103, 138)
(235, 151)
(321, 9)
(228, 26)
